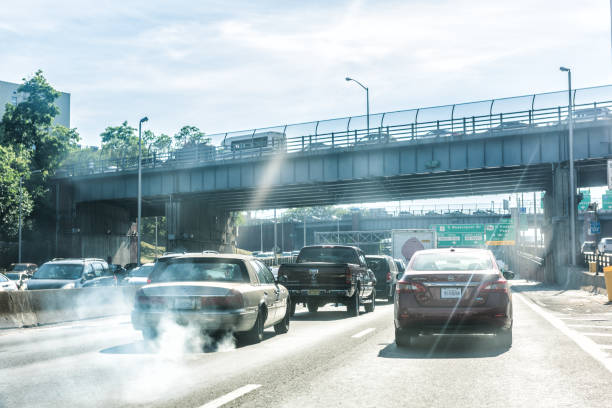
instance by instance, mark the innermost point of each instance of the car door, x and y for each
(268, 291)
(367, 279)
(279, 301)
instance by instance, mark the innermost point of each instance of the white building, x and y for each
(8, 94)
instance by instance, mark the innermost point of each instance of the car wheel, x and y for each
(352, 307)
(312, 306)
(504, 338)
(403, 338)
(149, 334)
(292, 310)
(369, 307)
(390, 298)
(255, 335)
(282, 327)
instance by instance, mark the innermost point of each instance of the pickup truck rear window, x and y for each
(330, 255)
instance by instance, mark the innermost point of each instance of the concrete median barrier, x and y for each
(36, 307)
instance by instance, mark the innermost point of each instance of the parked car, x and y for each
(7, 285)
(587, 114)
(510, 125)
(604, 246)
(139, 275)
(20, 278)
(385, 270)
(448, 291)
(218, 292)
(71, 273)
(29, 268)
(588, 247)
(326, 274)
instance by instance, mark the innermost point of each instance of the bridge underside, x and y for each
(420, 186)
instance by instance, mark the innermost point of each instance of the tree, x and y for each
(162, 143)
(13, 166)
(324, 212)
(29, 121)
(119, 141)
(189, 134)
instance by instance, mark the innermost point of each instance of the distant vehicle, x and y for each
(405, 242)
(604, 246)
(588, 247)
(7, 285)
(139, 275)
(510, 125)
(254, 144)
(374, 138)
(118, 270)
(587, 114)
(129, 266)
(401, 267)
(439, 133)
(29, 268)
(225, 292)
(385, 270)
(326, 274)
(72, 273)
(295, 253)
(448, 291)
(316, 146)
(20, 278)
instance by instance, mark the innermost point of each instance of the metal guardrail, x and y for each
(601, 260)
(394, 127)
(271, 261)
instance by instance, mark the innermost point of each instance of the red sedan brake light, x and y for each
(410, 287)
(498, 286)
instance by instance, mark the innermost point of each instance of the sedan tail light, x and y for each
(410, 287)
(498, 286)
(233, 300)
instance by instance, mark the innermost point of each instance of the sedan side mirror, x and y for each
(508, 275)
(89, 275)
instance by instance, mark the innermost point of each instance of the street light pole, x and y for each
(139, 221)
(20, 198)
(304, 228)
(367, 101)
(571, 167)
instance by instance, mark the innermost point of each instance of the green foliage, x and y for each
(13, 165)
(148, 230)
(189, 134)
(162, 143)
(324, 213)
(119, 141)
(28, 122)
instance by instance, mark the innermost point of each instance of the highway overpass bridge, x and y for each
(499, 146)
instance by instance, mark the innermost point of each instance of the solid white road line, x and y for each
(597, 334)
(363, 333)
(592, 326)
(219, 402)
(583, 342)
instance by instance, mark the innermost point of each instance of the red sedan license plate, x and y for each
(450, 293)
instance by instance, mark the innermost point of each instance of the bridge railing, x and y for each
(350, 133)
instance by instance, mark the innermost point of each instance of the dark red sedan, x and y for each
(453, 291)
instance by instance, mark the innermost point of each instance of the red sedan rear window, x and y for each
(451, 261)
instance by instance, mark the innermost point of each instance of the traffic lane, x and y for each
(120, 369)
(544, 368)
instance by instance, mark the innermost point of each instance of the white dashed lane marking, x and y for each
(363, 333)
(227, 398)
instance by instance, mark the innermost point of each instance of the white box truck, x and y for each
(405, 242)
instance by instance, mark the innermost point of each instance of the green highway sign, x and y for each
(475, 235)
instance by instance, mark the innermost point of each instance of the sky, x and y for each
(226, 66)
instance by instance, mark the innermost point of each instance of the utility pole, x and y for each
(139, 185)
(20, 198)
(275, 237)
(572, 183)
(304, 229)
(156, 238)
(261, 235)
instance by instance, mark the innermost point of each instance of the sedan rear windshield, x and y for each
(13, 276)
(378, 265)
(331, 255)
(201, 270)
(59, 271)
(142, 272)
(452, 261)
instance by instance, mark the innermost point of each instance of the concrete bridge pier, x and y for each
(556, 226)
(195, 225)
(104, 230)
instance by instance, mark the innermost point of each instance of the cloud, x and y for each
(257, 64)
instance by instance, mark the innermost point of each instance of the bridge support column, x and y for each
(195, 225)
(103, 230)
(556, 226)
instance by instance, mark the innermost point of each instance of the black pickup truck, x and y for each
(330, 274)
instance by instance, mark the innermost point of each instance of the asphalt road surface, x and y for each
(326, 359)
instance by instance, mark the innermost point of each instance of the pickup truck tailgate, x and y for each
(314, 275)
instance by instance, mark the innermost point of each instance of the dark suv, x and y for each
(72, 273)
(385, 270)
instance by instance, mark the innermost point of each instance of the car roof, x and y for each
(74, 261)
(332, 246)
(378, 256)
(214, 256)
(456, 250)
